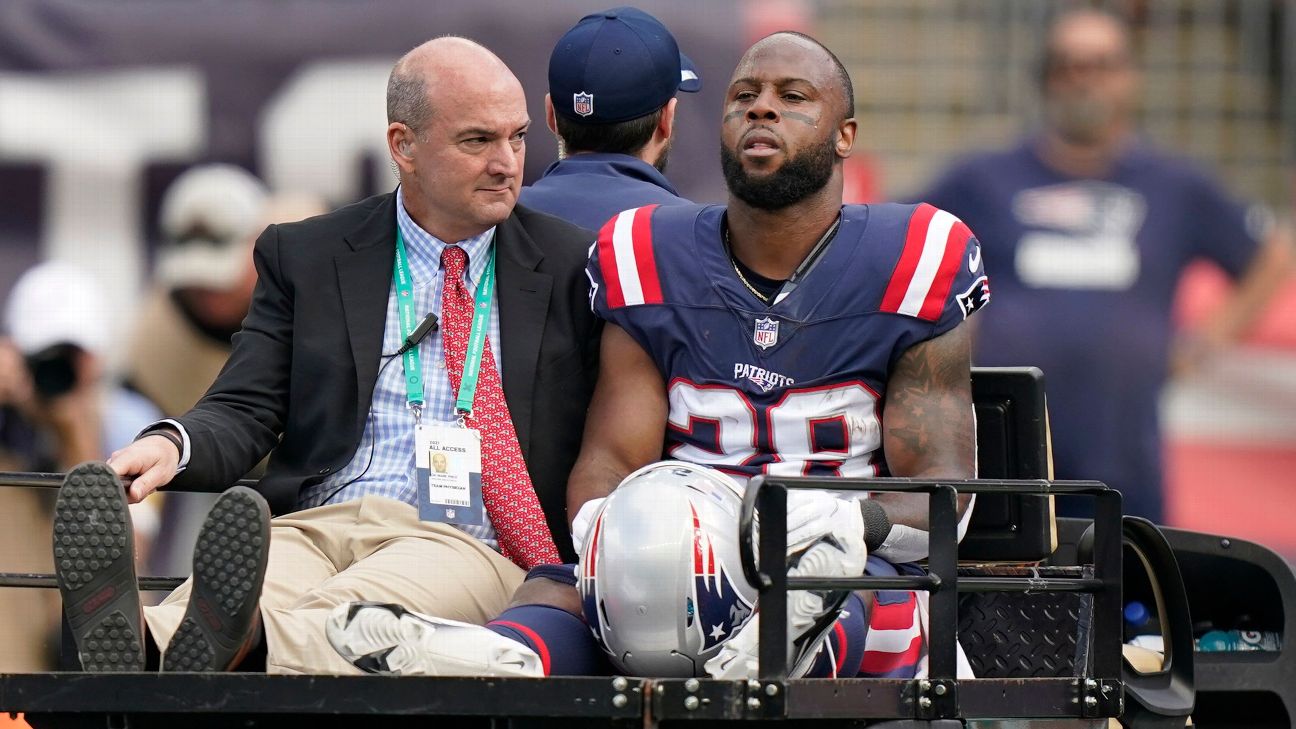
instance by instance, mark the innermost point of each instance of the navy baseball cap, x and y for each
(617, 65)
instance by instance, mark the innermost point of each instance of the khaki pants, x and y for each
(373, 549)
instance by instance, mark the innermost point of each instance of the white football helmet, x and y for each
(660, 577)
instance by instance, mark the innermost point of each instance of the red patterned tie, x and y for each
(510, 498)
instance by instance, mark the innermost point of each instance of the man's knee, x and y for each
(552, 585)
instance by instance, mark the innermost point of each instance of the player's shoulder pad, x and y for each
(626, 251)
(931, 258)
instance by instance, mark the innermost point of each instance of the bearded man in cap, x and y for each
(612, 84)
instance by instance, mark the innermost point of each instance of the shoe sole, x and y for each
(229, 568)
(94, 561)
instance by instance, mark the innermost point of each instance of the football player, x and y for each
(786, 333)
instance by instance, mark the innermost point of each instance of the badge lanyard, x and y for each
(407, 315)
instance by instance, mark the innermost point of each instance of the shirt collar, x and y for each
(424, 249)
(621, 165)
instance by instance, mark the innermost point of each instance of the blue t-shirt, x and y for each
(1085, 275)
(795, 386)
(588, 189)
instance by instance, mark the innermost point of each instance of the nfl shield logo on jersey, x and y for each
(765, 334)
(583, 103)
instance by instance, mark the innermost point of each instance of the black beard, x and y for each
(660, 162)
(800, 177)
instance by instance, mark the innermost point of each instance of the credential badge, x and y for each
(765, 335)
(583, 103)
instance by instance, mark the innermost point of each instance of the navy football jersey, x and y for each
(795, 387)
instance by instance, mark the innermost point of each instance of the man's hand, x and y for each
(148, 464)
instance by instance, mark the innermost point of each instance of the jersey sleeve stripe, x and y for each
(641, 231)
(635, 268)
(933, 252)
(955, 245)
(608, 264)
(627, 268)
(908, 262)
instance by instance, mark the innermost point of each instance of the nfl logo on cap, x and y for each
(765, 335)
(626, 58)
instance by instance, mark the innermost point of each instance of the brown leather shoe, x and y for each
(222, 621)
(94, 561)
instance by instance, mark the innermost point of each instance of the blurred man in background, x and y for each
(210, 218)
(1088, 230)
(62, 332)
(611, 102)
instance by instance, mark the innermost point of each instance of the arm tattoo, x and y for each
(928, 428)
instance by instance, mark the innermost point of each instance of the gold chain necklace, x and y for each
(734, 262)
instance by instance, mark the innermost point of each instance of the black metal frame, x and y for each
(85, 699)
(1099, 694)
(44, 580)
(78, 699)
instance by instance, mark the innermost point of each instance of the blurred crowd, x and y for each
(64, 399)
(1086, 230)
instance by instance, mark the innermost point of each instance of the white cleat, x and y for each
(390, 640)
(843, 555)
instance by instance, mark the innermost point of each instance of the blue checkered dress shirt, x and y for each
(383, 464)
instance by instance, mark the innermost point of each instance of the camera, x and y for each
(53, 370)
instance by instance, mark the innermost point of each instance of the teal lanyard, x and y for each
(408, 323)
(476, 336)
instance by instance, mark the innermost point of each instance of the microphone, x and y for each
(426, 327)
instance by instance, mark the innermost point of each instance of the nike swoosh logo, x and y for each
(974, 260)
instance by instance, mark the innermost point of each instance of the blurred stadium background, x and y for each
(103, 104)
